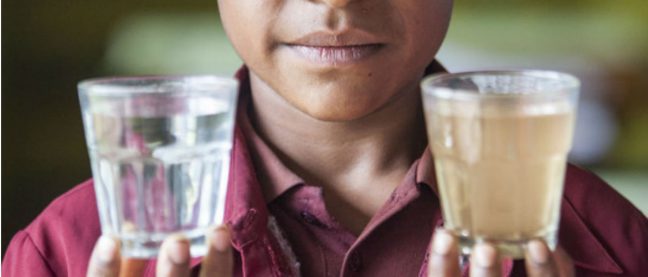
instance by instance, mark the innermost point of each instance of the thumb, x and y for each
(219, 260)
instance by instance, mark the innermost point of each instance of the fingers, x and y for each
(484, 261)
(540, 261)
(174, 257)
(219, 261)
(444, 255)
(104, 261)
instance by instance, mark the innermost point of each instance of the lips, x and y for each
(336, 49)
(335, 55)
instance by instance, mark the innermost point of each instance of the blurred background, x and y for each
(48, 46)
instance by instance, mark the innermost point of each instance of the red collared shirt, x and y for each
(601, 230)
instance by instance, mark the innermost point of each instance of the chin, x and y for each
(339, 108)
(334, 116)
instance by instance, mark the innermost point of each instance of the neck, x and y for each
(346, 158)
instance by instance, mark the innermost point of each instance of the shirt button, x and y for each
(311, 219)
(308, 217)
(355, 262)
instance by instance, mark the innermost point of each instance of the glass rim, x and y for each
(127, 85)
(569, 84)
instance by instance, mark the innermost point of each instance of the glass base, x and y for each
(513, 249)
(148, 247)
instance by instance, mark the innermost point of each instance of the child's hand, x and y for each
(539, 260)
(173, 259)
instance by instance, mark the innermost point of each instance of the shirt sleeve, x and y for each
(23, 258)
(620, 228)
(60, 240)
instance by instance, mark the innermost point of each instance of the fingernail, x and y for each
(107, 249)
(485, 255)
(178, 250)
(538, 252)
(221, 239)
(442, 243)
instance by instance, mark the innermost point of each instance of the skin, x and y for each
(173, 260)
(354, 104)
(485, 261)
(412, 34)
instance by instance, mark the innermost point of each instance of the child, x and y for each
(330, 172)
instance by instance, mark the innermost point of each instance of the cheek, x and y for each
(248, 27)
(427, 26)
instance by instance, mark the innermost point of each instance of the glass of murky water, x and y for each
(160, 149)
(500, 141)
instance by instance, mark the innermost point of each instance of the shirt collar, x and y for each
(274, 175)
(425, 171)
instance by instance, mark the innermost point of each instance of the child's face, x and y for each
(337, 59)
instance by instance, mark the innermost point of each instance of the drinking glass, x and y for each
(160, 149)
(500, 141)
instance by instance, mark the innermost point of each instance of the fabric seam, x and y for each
(605, 250)
(39, 251)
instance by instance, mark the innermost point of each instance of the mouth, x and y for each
(335, 55)
(336, 49)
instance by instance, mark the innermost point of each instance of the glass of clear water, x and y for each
(160, 149)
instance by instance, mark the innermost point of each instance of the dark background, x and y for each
(48, 46)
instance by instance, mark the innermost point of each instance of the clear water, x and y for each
(160, 175)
